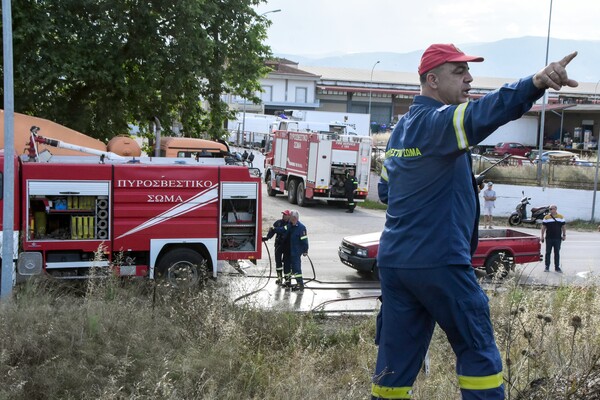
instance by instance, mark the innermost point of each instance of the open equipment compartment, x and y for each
(238, 217)
(59, 210)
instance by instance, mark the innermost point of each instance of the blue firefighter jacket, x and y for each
(278, 233)
(427, 178)
(295, 236)
(298, 239)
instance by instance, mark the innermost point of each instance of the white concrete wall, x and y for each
(572, 203)
(279, 89)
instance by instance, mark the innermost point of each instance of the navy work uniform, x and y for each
(298, 240)
(282, 263)
(430, 235)
(350, 185)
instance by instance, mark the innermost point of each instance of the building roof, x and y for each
(282, 66)
(396, 80)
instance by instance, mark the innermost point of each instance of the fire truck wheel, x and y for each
(270, 191)
(183, 268)
(292, 187)
(300, 197)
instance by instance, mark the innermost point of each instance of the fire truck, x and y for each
(172, 218)
(313, 165)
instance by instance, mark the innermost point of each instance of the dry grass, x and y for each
(381, 139)
(121, 340)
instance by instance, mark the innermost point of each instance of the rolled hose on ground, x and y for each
(267, 281)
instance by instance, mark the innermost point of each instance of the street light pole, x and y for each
(272, 11)
(544, 101)
(371, 94)
(597, 161)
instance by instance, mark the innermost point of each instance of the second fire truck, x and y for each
(313, 165)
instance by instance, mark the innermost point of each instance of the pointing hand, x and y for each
(554, 75)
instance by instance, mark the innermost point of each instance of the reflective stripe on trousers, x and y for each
(382, 392)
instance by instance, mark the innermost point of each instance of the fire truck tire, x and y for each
(270, 191)
(292, 188)
(183, 268)
(300, 195)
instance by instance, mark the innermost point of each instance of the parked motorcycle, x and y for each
(519, 216)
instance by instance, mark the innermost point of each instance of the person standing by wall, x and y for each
(350, 186)
(432, 219)
(489, 197)
(554, 231)
(282, 264)
(298, 242)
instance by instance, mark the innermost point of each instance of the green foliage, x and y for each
(98, 66)
(372, 205)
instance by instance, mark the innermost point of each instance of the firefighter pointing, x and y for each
(424, 256)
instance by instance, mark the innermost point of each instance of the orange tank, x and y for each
(124, 146)
(49, 129)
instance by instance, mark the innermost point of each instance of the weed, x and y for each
(112, 340)
(372, 205)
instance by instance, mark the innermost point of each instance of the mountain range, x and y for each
(507, 58)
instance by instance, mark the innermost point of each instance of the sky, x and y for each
(330, 27)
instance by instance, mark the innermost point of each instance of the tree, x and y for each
(98, 65)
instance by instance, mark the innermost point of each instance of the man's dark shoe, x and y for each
(286, 284)
(278, 281)
(298, 288)
(557, 269)
(547, 269)
(349, 211)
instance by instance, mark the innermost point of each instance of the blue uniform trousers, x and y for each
(413, 300)
(296, 266)
(282, 262)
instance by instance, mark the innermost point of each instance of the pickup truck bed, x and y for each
(498, 252)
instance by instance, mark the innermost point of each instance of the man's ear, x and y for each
(432, 80)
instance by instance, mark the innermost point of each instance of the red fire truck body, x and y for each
(313, 165)
(152, 217)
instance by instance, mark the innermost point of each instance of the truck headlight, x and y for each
(361, 252)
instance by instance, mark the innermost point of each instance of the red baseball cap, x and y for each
(286, 212)
(438, 54)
